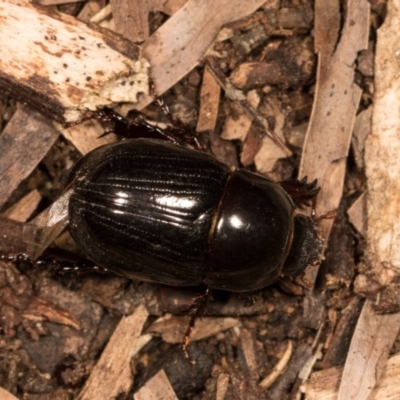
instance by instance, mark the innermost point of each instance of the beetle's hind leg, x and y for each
(196, 310)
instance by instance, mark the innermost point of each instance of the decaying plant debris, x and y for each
(284, 88)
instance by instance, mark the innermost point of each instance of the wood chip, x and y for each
(112, 375)
(358, 214)
(62, 64)
(209, 102)
(4, 395)
(238, 122)
(362, 128)
(24, 142)
(86, 136)
(90, 8)
(173, 329)
(11, 236)
(23, 209)
(131, 18)
(236, 95)
(156, 388)
(251, 146)
(170, 7)
(324, 385)
(369, 350)
(267, 155)
(38, 308)
(222, 386)
(339, 342)
(248, 346)
(55, 2)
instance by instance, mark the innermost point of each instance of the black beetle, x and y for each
(150, 208)
(160, 212)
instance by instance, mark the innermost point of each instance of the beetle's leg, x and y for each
(300, 191)
(101, 115)
(15, 257)
(197, 310)
(160, 102)
(108, 131)
(329, 215)
(178, 129)
(61, 261)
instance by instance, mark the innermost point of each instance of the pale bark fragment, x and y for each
(23, 209)
(158, 387)
(112, 375)
(382, 147)
(24, 142)
(369, 350)
(209, 102)
(362, 128)
(59, 64)
(86, 136)
(358, 214)
(5, 395)
(324, 385)
(170, 7)
(131, 18)
(238, 122)
(222, 386)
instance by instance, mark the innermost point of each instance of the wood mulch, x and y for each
(284, 88)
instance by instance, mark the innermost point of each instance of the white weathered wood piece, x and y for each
(63, 66)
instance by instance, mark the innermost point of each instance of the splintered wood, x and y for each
(58, 64)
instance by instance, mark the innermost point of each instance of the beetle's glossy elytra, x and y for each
(160, 212)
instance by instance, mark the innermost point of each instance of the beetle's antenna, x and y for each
(197, 310)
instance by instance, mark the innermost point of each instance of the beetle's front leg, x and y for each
(300, 191)
(179, 131)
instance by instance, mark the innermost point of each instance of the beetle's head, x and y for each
(306, 249)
